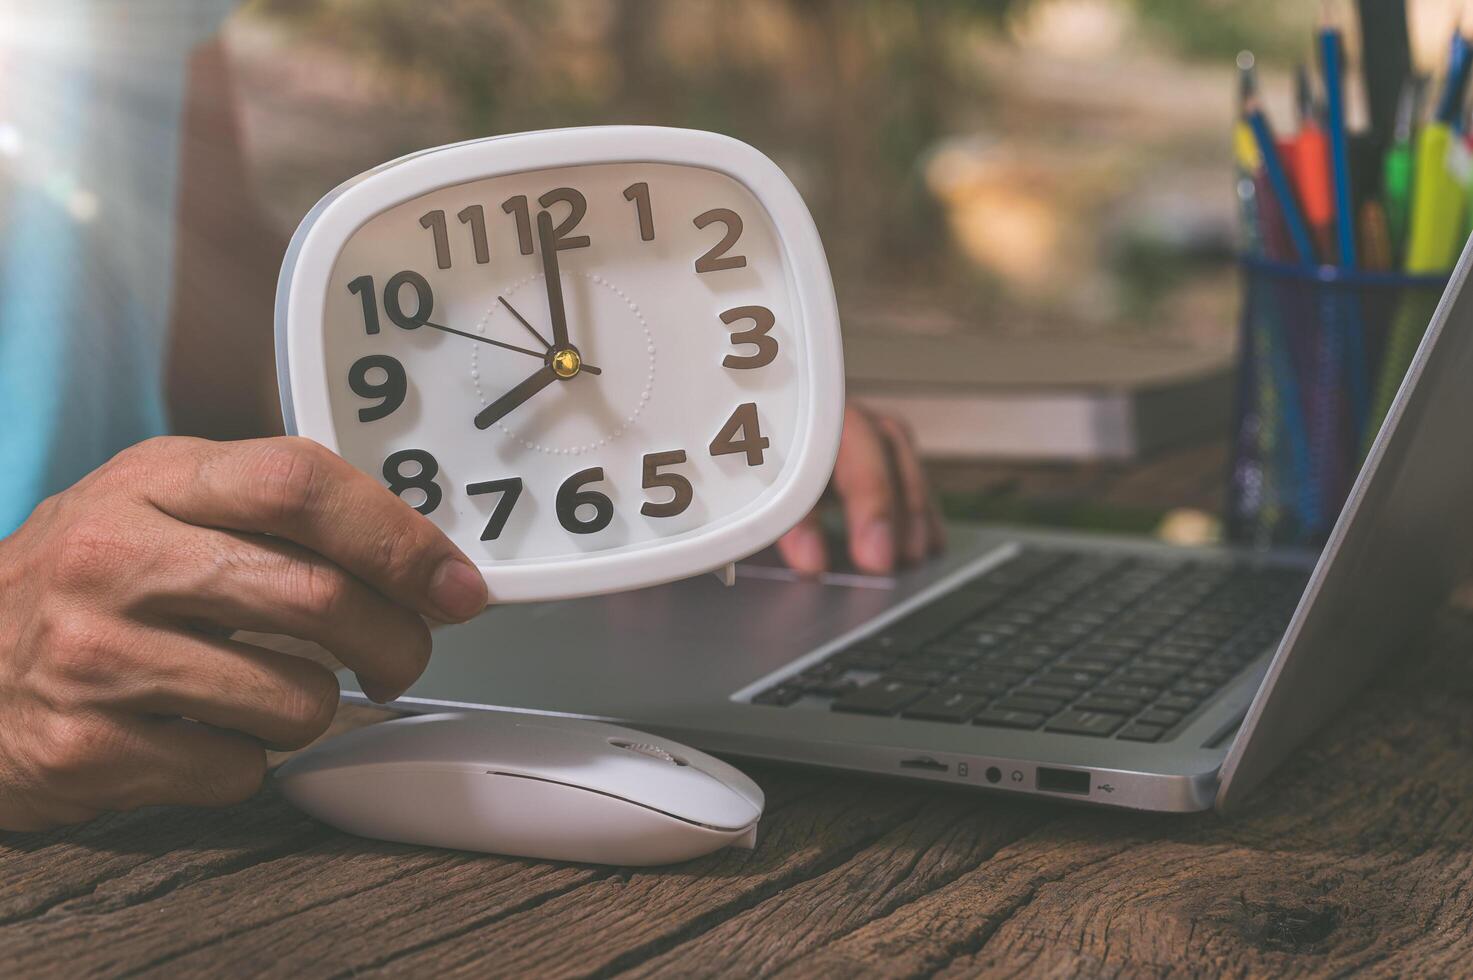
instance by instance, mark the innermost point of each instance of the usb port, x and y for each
(1063, 780)
(927, 764)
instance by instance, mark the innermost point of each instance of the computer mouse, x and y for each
(526, 785)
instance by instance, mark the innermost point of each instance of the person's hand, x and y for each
(120, 685)
(889, 514)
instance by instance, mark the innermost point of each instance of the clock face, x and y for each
(569, 361)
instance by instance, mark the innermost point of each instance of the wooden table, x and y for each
(1357, 855)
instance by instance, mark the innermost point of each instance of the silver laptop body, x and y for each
(684, 659)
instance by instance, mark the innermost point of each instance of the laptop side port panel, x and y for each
(1052, 780)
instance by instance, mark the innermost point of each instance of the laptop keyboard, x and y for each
(1072, 642)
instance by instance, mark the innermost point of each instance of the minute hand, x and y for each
(555, 309)
(498, 409)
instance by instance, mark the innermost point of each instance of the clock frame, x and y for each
(301, 306)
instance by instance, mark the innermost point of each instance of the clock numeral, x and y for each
(653, 478)
(510, 489)
(562, 233)
(434, 221)
(363, 288)
(762, 321)
(743, 421)
(577, 208)
(423, 480)
(392, 389)
(716, 259)
(571, 496)
(640, 194)
(475, 216)
(517, 206)
(424, 300)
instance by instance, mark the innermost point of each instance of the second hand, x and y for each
(497, 343)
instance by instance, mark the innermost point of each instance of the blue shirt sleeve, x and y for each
(89, 145)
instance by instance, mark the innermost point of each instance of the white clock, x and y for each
(598, 359)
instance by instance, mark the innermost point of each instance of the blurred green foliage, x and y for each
(847, 95)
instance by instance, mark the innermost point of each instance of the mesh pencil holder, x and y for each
(1321, 354)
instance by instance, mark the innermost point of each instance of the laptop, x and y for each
(1099, 669)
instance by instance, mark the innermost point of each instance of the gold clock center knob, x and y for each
(566, 363)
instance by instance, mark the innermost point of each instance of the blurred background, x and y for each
(1000, 169)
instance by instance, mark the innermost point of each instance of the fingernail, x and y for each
(377, 694)
(457, 590)
(877, 547)
(808, 551)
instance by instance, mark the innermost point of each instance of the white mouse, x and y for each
(526, 785)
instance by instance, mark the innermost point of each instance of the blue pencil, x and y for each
(1278, 179)
(1333, 63)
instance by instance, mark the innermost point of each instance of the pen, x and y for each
(1437, 198)
(1435, 227)
(1396, 173)
(1245, 156)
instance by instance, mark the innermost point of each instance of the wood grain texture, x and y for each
(1357, 856)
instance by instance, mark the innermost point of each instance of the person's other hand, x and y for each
(890, 516)
(120, 686)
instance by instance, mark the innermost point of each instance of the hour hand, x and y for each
(498, 409)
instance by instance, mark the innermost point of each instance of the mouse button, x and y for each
(732, 777)
(683, 792)
(538, 818)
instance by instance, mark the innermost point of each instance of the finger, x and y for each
(296, 489)
(107, 761)
(803, 548)
(230, 580)
(922, 524)
(866, 487)
(281, 700)
(197, 765)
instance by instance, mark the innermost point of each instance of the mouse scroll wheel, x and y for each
(653, 751)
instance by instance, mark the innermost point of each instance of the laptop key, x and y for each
(1138, 732)
(1018, 702)
(1014, 661)
(1086, 666)
(1118, 689)
(1159, 716)
(982, 685)
(994, 718)
(881, 697)
(1176, 702)
(1146, 675)
(956, 706)
(912, 675)
(1212, 675)
(1109, 705)
(1068, 678)
(1050, 691)
(1085, 723)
